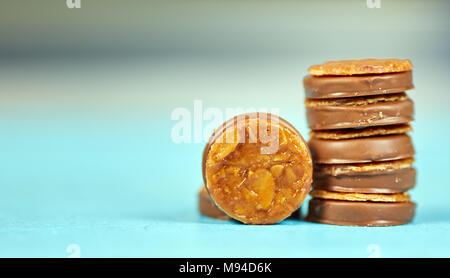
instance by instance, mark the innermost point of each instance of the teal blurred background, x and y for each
(86, 96)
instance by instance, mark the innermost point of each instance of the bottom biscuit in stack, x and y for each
(361, 177)
(360, 209)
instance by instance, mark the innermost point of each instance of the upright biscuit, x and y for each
(253, 178)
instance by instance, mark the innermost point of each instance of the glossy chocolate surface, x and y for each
(357, 85)
(376, 114)
(207, 207)
(360, 213)
(389, 182)
(361, 150)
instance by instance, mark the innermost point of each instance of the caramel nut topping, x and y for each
(363, 66)
(263, 175)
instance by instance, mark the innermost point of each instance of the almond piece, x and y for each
(263, 184)
(276, 170)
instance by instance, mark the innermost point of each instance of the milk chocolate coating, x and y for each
(359, 85)
(376, 114)
(390, 182)
(360, 213)
(361, 150)
(207, 207)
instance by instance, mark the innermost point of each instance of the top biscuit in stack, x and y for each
(359, 115)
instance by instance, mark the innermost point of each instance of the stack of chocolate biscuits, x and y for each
(359, 115)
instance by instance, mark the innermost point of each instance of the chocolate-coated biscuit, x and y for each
(361, 150)
(351, 213)
(357, 85)
(359, 112)
(386, 183)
